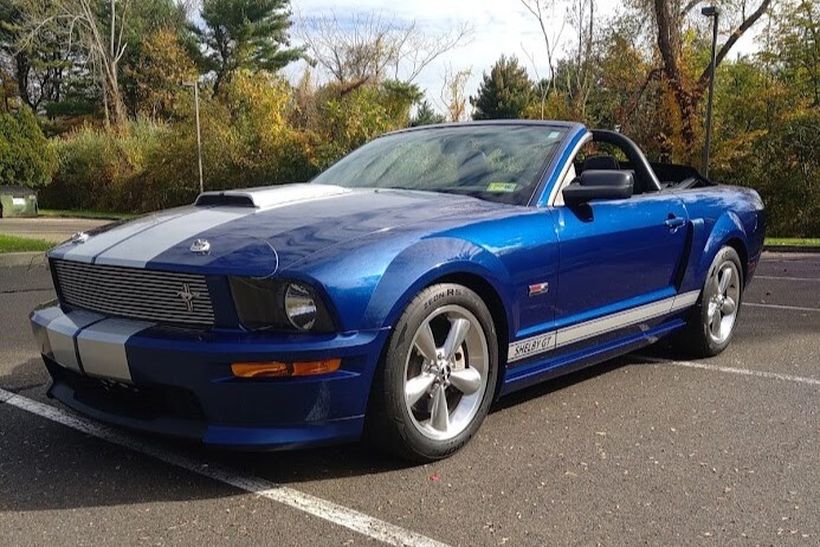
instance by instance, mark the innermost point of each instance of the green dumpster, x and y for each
(17, 201)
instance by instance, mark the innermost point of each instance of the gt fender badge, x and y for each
(201, 246)
(539, 288)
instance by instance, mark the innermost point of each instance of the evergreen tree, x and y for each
(504, 93)
(426, 115)
(248, 34)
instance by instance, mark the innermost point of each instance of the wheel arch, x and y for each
(727, 230)
(740, 248)
(498, 311)
(446, 260)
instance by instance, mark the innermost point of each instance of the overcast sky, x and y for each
(500, 26)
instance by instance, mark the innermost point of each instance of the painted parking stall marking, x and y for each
(779, 307)
(733, 370)
(327, 510)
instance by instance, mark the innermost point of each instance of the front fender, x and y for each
(421, 264)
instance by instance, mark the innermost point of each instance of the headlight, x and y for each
(300, 306)
(277, 304)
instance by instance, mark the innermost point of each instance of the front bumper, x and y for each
(178, 382)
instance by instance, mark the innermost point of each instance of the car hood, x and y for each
(255, 232)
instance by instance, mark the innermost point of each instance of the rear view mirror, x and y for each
(595, 184)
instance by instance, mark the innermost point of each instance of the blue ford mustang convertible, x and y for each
(398, 294)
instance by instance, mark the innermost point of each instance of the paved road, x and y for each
(641, 450)
(50, 229)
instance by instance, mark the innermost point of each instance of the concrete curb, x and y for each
(32, 260)
(790, 249)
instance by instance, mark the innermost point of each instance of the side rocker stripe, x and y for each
(545, 342)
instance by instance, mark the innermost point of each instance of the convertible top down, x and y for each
(400, 292)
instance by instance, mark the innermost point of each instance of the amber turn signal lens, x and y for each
(275, 369)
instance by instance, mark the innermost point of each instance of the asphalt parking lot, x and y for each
(641, 450)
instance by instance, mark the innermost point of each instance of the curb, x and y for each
(790, 249)
(32, 259)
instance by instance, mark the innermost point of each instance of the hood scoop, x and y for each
(270, 196)
(213, 199)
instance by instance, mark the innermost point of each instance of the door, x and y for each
(618, 263)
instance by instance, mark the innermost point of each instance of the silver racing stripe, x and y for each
(152, 241)
(58, 330)
(137, 251)
(548, 341)
(96, 244)
(102, 347)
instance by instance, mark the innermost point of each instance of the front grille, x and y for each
(135, 293)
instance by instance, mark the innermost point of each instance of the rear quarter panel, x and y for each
(722, 215)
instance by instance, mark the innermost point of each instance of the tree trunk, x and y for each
(22, 67)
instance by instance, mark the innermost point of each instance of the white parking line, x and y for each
(731, 370)
(781, 278)
(779, 307)
(332, 512)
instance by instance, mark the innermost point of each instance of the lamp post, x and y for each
(195, 85)
(712, 12)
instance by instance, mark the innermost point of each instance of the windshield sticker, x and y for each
(502, 187)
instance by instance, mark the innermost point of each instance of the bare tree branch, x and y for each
(368, 46)
(733, 38)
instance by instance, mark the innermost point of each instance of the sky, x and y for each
(500, 26)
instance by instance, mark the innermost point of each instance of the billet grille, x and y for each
(164, 297)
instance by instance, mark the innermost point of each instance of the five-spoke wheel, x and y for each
(446, 372)
(438, 376)
(712, 322)
(724, 295)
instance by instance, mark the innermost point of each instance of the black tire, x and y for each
(389, 425)
(695, 340)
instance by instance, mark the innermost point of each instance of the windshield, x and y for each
(494, 162)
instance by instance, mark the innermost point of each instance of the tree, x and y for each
(538, 9)
(504, 93)
(426, 115)
(247, 34)
(38, 66)
(26, 157)
(95, 29)
(370, 48)
(670, 19)
(453, 95)
(158, 33)
(160, 70)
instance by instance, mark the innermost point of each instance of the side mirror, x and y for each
(599, 184)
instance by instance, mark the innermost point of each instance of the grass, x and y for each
(14, 244)
(85, 213)
(794, 241)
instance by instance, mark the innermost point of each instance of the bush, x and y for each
(782, 164)
(246, 141)
(26, 156)
(99, 169)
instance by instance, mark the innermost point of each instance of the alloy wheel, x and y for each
(446, 372)
(724, 298)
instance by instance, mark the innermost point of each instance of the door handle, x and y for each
(674, 223)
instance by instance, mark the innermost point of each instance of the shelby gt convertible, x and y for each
(400, 292)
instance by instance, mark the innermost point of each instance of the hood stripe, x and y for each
(159, 233)
(99, 243)
(138, 251)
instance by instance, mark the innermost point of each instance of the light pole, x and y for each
(195, 85)
(712, 12)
